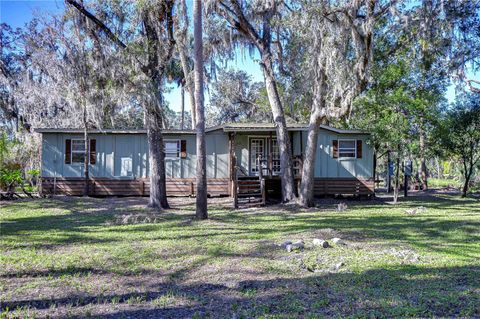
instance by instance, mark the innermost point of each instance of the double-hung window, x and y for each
(78, 151)
(172, 149)
(347, 148)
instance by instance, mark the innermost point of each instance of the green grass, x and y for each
(82, 257)
(443, 182)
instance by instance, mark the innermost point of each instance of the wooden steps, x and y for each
(250, 192)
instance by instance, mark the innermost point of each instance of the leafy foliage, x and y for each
(10, 176)
(459, 134)
(235, 98)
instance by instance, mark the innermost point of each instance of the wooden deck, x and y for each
(327, 186)
(130, 187)
(187, 186)
(343, 186)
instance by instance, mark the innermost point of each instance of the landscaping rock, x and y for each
(320, 242)
(126, 219)
(285, 244)
(412, 211)
(298, 245)
(338, 241)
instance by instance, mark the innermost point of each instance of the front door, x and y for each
(257, 148)
(275, 157)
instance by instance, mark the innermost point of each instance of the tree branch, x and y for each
(99, 23)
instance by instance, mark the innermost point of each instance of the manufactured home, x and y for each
(239, 157)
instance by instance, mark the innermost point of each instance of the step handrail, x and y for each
(262, 179)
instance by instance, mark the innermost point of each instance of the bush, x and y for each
(10, 176)
(15, 158)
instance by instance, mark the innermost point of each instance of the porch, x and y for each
(255, 171)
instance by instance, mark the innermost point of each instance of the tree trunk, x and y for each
(188, 83)
(182, 120)
(423, 165)
(306, 196)
(375, 159)
(86, 189)
(397, 179)
(201, 210)
(156, 157)
(468, 176)
(439, 172)
(465, 187)
(389, 177)
(283, 140)
(156, 149)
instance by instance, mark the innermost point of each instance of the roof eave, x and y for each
(108, 131)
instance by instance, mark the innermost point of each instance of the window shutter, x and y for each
(93, 151)
(68, 151)
(183, 149)
(359, 148)
(335, 148)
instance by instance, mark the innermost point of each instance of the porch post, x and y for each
(270, 156)
(232, 161)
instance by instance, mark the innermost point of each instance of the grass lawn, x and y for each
(112, 258)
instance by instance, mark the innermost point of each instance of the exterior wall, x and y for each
(217, 155)
(111, 148)
(242, 151)
(328, 167)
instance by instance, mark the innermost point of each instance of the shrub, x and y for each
(10, 176)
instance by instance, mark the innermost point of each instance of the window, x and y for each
(126, 166)
(347, 148)
(257, 148)
(78, 151)
(172, 149)
(275, 157)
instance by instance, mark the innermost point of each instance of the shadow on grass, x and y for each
(450, 235)
(400, 291)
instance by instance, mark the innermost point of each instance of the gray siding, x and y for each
(115, 150)
(326, 165)
(242, 148)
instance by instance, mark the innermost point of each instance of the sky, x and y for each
(18, 13)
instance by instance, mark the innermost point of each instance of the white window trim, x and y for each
(250, 164)
(355, 149)
(82, 151)
(178, 148)
(276, 173)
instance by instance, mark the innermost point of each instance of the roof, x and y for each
(266, 127)
(108, 131)
(230, 127)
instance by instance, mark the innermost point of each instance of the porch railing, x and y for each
(238, 171)
(266, 166)
(297, 166)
